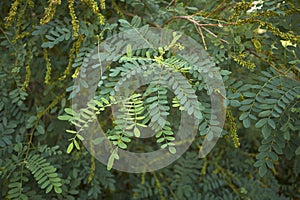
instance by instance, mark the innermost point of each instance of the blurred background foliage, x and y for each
(256, 43)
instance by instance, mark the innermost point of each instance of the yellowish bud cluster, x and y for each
(252, 20)
(233, 129)
(118, 9)
(73, 51)
(102, 4)
(12, 13)
(50, 11)
(48, 67)
(76, 73)
(94, 6)
(27, 78)
(238, 8)
(28, 71)
(75, 22)
(239, 59)
(92, 169)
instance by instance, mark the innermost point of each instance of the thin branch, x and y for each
(214, 35)
(202, 36)
(287, 73)
(9, 41)
(190, 18)
(173, 1)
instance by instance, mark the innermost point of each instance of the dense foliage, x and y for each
(45, 46)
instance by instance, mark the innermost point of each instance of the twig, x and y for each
(173, 1)
(197, 24)
(214, 35)
(202, 36)
(9, 41)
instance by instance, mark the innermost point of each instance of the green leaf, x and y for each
(76, 144)
(58, 190)
(210, 136)
(40, 129)
(136, 132)
(266, 130)
(116, 156)
(49, 188)
(141, 125)
(70, 147)
(249, 94)
(244, 108)
(98, 140)
(79, 137)
(31, 119)
(70, 111)
(160, 140)
(297, 152)
(265, 113)
(172, 150)
(110, 162)
(277, 148)
(270, 164)
(48, 45)
(262, 155)
(271, 123)
(128, 50)
(273, 156)
(98, 103)
(261, 122)
(122, 145)
(198, 114)
(71, 131)
(105, 101)
(65, 117)
(45, 184)
(238, 39)
(262, 170)
(225, 72)
(125, 139)
(258, 163)
(246, 122)
(235, 103)
(243, 116)
(170, 138)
